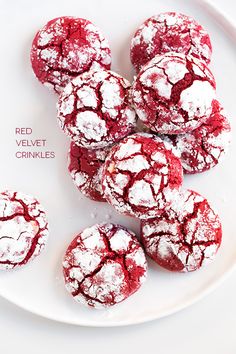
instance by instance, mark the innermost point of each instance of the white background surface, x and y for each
(207, 327)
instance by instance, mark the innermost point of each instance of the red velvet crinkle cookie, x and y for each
(104, 265)
(186, 236)
(173, 94)
(169, 32)
(66, 47)
(85, 167)
(23, 229)
(205, 146)
(140, 176)
(94, 109)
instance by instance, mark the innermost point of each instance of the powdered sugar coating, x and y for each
(23, 229)
(66, 47)
(186, 237)
(140, 175)
(94, 110)
(85, 167)
(206, 146)
(173, 94)
(104, 265)
(169, 32)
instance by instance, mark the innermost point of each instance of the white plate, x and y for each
(39, 287)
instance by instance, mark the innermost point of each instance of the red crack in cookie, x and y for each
(173, 94)
(94, 111)
(104, 265)
(204, 147)
(140, 175)
(23, 229)
(169, 32)
(85, 167)
(185, 237)
(66, 47)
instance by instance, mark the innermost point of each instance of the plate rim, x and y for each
(172, 310)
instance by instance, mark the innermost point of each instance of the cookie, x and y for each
(23, 229)
(104, 265)
(173, 94)
(204, 147)
(85, 167)
(169, 32)
(66, 47)
(140, 175)
(94, 110)
(186, 237)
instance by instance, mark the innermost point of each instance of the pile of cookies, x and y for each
(131, 145)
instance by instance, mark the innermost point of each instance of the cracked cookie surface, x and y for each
(104, 265)
(140, 175)
(186, 236)
(169, 32)
(23, 229)
(66, 47)
(173, 94)
(204, 147)
(85, 167)
(94, 109)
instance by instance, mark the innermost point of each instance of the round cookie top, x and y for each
(205, 146)
(140, 175)
(173, 93)
(104, 265)
(94, 110)
(186, 236)
(23, 229)
(85, 167)
(66, 47)
(169, 32)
